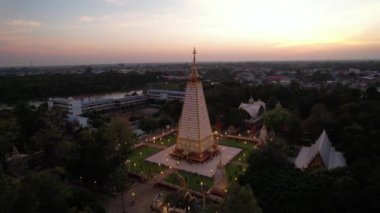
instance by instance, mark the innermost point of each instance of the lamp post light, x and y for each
(133, 198)
(203, 194)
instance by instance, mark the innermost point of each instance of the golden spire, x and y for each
(194, 73)
(220, 160)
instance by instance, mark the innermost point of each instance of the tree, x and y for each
(234, 117)
(242, 199)
(148, 124)
(173, 109)
(164, 120)
(118, 180)
(276, 118)
(43, 192)
(95, 155)
(294, 127)
(321, 118)
(8, 194)
(8, 135)
(271, 103)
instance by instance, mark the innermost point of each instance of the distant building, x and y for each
(78, 107)
(320, 154)
(354, 70)
(70, 105)
(255, 109)
(165, 95)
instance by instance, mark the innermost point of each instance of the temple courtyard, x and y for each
(205, 169)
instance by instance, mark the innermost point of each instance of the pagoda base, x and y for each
(193, 157)
(207, 168)
(218, 191)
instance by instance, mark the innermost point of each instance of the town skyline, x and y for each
(118, 31)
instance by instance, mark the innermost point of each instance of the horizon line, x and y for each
(198, 62)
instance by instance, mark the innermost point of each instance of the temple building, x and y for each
(255, 109)
(320, 154)
(195, 140)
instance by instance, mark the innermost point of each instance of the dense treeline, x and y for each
(66, 165)
(15, 88)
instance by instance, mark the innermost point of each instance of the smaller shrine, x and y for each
(255, 110)
(320, 154)
(220, 180)
(263, 135)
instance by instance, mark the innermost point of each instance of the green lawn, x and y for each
(142, 153)
(166, 141)
(194, 180)
(233, 171)
(138, 163)
(236, 143)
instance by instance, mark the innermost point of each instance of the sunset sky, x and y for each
(59, 32)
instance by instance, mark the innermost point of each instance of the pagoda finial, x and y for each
(220, 164)
(194, 73)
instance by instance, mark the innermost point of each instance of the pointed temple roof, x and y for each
(195, 140)
(194, 75)
(263, 137)
(330, 157)
(252, 107)
(220, 179)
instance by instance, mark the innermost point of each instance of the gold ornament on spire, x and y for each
(194, 76)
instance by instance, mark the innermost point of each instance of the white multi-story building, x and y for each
(78, 107)
(72, 106)
(165, 95)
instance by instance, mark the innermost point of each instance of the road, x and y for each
(143, 196)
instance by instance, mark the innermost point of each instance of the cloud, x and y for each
(115, 1)
(86, 18)
(22, 22)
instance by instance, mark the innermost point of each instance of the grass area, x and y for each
(139, 165)
(236, 143)
(142, 153)
(194, 180)
(233, 171)
(245, 146)
(167, 141)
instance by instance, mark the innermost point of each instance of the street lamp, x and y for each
(133, 198)
(203, 194)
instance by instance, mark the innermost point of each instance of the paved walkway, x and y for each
(206, 169)
(157, 136)
(255, 140)
(143, 196)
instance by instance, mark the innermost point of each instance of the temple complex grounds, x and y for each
(153, 159)
(205, 169)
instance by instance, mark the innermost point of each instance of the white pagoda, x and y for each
(220, 180)
(195, 140)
